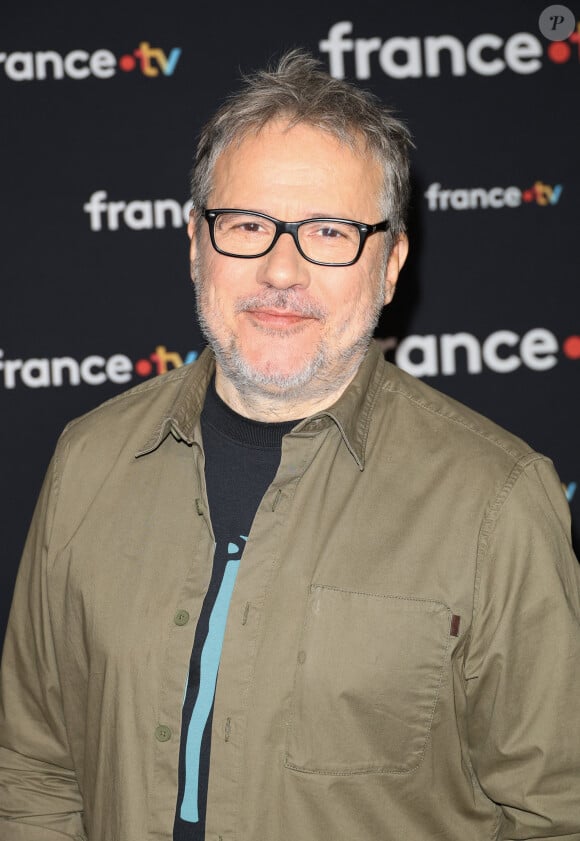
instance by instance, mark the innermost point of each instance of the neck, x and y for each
(276, 408)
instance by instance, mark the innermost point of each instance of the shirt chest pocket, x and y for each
(368, 676)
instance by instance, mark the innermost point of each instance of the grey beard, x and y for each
(312, 381)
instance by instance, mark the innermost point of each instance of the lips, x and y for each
(281, 304)
(276, 317)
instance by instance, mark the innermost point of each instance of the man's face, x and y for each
(283, 328)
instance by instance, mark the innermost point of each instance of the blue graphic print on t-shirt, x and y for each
(209, 665)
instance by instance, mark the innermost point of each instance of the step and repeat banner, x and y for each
(100, 113)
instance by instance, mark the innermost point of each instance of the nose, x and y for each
(284, 266)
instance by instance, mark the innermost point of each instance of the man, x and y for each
(290, 593)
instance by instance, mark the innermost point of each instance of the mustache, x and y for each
(282, 299)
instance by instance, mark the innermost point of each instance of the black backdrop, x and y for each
(100, 112)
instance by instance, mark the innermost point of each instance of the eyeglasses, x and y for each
(324, 241)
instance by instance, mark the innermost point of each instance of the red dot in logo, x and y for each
(127, 63)
(571, 347)
(559, 52)
(143, 367)
(528, 195)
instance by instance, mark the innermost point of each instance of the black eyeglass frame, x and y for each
(291, 228)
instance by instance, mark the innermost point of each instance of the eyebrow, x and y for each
(310, 215)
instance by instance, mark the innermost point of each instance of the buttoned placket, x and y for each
(244, 634)
(183, 622)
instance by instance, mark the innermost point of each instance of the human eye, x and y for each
(331, 232)
(328, 231)
(250, 226)
(243, 225)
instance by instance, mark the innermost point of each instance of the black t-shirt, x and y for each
(241, 460)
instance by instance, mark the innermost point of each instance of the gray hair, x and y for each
(298, 89)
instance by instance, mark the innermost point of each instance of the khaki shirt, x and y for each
(402, 654)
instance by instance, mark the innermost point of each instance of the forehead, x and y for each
(299, 167)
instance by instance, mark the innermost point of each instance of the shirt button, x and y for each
(163, 733)
(301, 657)
(181, 617)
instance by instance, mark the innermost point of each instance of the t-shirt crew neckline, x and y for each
(250, 433)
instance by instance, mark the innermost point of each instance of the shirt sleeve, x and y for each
(523, 665)
(40, 798)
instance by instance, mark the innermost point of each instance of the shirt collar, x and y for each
(353, 410)
(182, 416)
(351, 413)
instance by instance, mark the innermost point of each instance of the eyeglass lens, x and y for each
(325, 241)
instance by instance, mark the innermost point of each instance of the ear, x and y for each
(395, 263)
(192, 237)
(191, 224)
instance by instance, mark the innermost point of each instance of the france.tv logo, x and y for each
(42, 65)
(150, 60)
